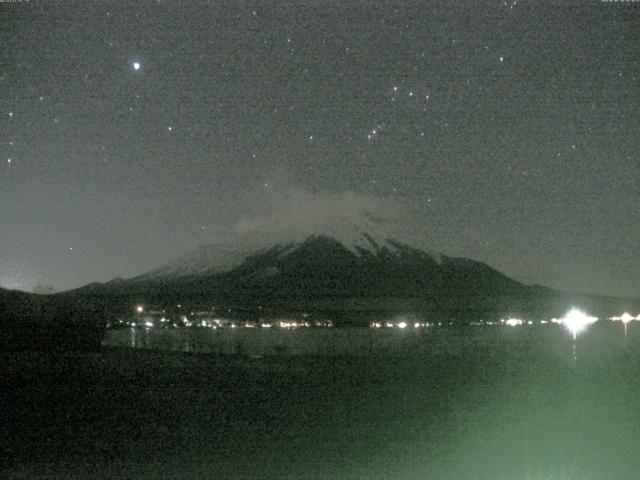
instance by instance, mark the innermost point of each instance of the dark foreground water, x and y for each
(475, 403)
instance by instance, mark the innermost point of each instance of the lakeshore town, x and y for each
(149, 317)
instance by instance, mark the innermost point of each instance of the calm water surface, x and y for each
(445, 403)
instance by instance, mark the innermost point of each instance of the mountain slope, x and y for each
(366, 276)
(353, 280)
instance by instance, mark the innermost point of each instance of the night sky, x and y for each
(504, 132)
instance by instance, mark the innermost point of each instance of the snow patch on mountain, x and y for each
(357, 222)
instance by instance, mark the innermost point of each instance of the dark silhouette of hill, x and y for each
(51, 322)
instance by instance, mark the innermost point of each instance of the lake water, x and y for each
(603, 339)
(445, 403)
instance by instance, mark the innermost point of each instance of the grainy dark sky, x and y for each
(131, 132)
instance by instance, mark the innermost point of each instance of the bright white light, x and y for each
(402, 325)
(136, 65)
(512, 322)
(148, 323)
(576, 321)
(139, 309)
(626, 317)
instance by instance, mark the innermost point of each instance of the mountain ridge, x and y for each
(373, 277)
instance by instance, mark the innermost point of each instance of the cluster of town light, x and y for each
(204, 320)
(626, 317)
(402, 325)
(575, 321)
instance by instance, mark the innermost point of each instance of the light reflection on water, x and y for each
(538, 404)
(602, 339)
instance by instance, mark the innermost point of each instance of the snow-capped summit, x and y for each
(229, 253)
(350, 220)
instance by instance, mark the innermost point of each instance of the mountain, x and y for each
(352, 277)
(358, 235)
